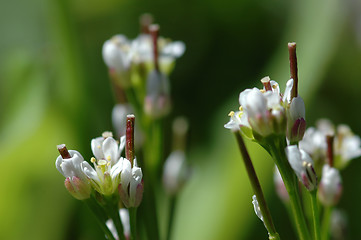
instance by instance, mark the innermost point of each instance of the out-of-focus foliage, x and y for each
(54, 89)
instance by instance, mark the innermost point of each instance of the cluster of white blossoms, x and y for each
(120, 53)
(110, 171)
(267, 111)
(346, 144)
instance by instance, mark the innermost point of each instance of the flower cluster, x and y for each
(267, 111)
(277, 122)
(346, 144)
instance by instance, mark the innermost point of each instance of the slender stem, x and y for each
(326, 223)
(277, 150)
(267, 219)
(330, 140)
(97, 211)
(171, 216)
(129, 139)
(315, 215)
(154, 32)
(133, 222)
(293, 68)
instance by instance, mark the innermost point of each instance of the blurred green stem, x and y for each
(256, 186)
(99, 216)
(133, 222)
(315, 215)
(277, 146)
(326, 223)
(171, 216)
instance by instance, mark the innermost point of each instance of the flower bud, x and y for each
(174, 172)
(157, 100)
(77, 188)
(69, 165)
(131, 184)
(296, 123)
(302, 164)
(330, 186)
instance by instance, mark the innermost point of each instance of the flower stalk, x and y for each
(256, 186)
(276, 149)
(293, 68)
(315, 215)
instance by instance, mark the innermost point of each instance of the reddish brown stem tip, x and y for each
(63, 151)
(129, 138)
(330, 140)
(293, 68)
(154, 32)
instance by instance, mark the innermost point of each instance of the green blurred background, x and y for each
(54, 88)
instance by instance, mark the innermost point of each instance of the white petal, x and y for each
(122, 144)
(297, 109)
(126, 174)
(58, 164)
(287, 94)
(256, 103)
(174, 49)
(110, 150)
(116, 169)
(124, 216)
(89, 171)
(96, 146)
(294, 157)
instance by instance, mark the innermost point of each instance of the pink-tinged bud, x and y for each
(157, 101)
(296, 123)
(302, 164)
(139, 194)
(78, 188)
(330, 189)
(309, 177)
(297, 131)
(131, 184)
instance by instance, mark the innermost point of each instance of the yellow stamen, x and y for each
(231, 114)
(108, 158)
(93, 160)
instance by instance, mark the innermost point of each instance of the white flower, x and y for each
(105, 176)
(117, 53)
(107, 148)
(174, 172)
(330, 186)
(142, 48)
(346, 145)
(302, 164)
(76, 181)
(131, 184)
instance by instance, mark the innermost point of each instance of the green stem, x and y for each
(171, 216)
(277, 150)
(326, 223)
(315, 215)
(267, 219)
(133, 222)
(99, 216)
(111, 207)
